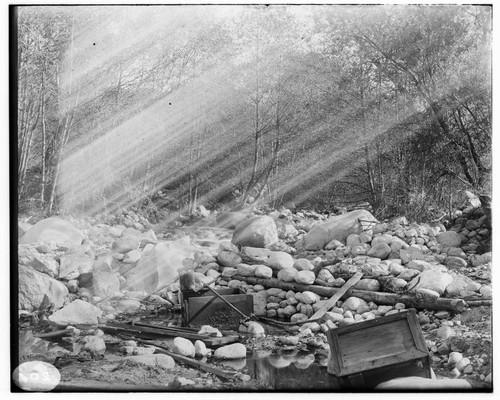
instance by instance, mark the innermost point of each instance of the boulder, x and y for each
(74, 264)
(45, 265)
(78, 313)
(253, 329)
(183, 347)
(200, 349)
(125, 244)
(279, 260)
(380, 250)
(161, 265)
(337, 228)
(431, 279)
(105, 283)
(458, 284)
(449, 239)
(419, 265)
(154, 360)
(53, 230)
(256, 232)
(231, 352)
(34, 286)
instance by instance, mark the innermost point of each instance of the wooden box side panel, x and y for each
(375, 344)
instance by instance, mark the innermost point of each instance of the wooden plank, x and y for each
(336, 297)
(140, 331)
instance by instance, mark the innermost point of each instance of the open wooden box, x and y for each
(367, 353)
(205, 308)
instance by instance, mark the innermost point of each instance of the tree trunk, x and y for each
(376, 297)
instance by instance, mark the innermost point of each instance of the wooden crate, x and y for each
(205, 308)
(365, 354)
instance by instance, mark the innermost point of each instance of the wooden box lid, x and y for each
(376, 343)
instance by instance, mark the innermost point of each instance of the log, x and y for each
(409, 301)
(336, 297)
(479, 303)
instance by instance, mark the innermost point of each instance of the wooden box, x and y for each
(205, 308)
(365, 354)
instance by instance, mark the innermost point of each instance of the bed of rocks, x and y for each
(77, 273)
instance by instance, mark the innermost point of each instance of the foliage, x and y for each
(322, 106)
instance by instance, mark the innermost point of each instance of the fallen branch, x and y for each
(409, 301)
(478, 303)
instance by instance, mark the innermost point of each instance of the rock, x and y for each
(380, 250)
(442, 314)
(478, 260)
(256, 232)
(458, 284)
(431, 279)
(353, 240)
(253, 329)
(353, 303)
(263, 271)
(299, 317)
(337, 228)
(385, 238)
(209, 330)
(308, 297)
(125, 244)
(78, 313)
(411, 253)
(132, 257)
(419, 265)
(372, 285)
(455, 262)
(228, 246)
(128, 305)
(228, 259)
(449, 239)
(305, 277)
(200, 349)
(94, 344)
(332, 316)
(429, 295)
(104, 283)
(231, 352)
(287, 275)
(73, 265)
(445, 332)
(416, 383)
(279, 260)
(454, 357)
(326, 276)
(45, 265)
(395, 269)
(246, 270)
(48, 376)
(183, 347)
(154, 360)
(408, 274)
(53, 230)
(161, 265)
(259, 303)
(334, 244)
(486, 291)
(303, 264)
(462, 364)
(34, 286)
(230, 219)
